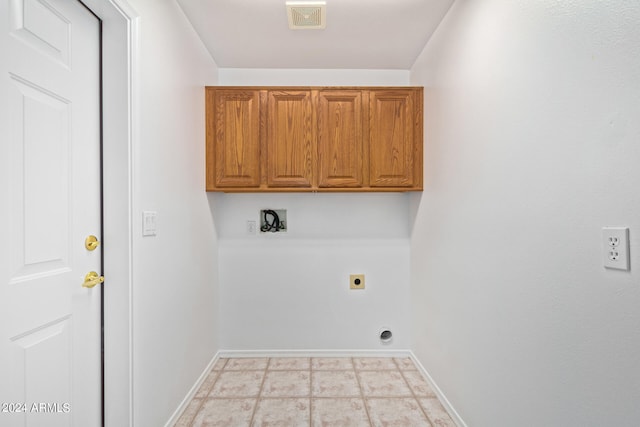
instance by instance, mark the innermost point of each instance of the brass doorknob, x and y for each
(91, 242)
(91, 279)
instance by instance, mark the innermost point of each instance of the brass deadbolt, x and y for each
(91, 242)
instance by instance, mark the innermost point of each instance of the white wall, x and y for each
(532, 146)
(291, 292)
(174, 288)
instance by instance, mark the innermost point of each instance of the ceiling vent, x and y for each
(306, 15)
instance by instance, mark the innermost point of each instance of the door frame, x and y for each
(120, 137)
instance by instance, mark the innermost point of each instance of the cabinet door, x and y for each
(236, 138)
(290, 139)
(392, 147)
(340, 143)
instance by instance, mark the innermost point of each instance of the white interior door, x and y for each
(49, 203)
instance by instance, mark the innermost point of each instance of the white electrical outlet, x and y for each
(615, 247)
(251, 227)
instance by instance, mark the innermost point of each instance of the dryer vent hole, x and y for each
(385, 335)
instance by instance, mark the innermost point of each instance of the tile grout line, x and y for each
(364, 400)
(204, 399)
(264, 378)
(195, 414)
(415, 397)
(310, 391)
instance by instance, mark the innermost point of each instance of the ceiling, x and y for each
(360, 34)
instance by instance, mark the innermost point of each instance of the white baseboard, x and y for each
(314, 353)
(443, 399)
(192, 392)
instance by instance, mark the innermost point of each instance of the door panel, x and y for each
(42, 26)
(236, 123)
(290, 139)
(392, 138)
(33, 355)
(50, 175)
(340, 143)
(40, 149)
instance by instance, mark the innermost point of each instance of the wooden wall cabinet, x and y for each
(233, 139)
(279, 139)
(290, 139)
(341, 151)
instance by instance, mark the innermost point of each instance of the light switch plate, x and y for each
(149, 223)
(251, 227)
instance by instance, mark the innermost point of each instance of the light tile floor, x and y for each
(325, 391)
